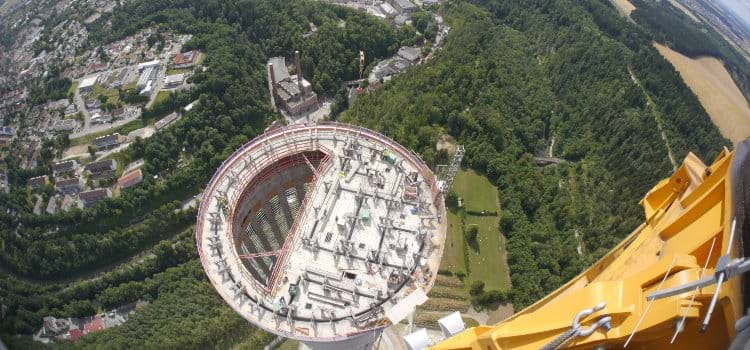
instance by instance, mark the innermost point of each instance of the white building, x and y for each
(149, 64)
(87, 84)
(174, 80)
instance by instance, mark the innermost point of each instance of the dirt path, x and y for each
(709, 80)
(657, 117)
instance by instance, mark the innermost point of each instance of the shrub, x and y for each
(476, 288)
(471, 234)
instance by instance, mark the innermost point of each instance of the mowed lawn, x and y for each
(453, 254)
(490, 262)
(488, 259)
(476, 190)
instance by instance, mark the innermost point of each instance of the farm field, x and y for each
(624, 6)
(717, 92)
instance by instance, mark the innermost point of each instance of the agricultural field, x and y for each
(716, 90)
(624, 7)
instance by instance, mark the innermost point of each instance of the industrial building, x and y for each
(292, 93)
(150, 64)
(324, 233)
(174, 80)
(148, 74)
(402, 6)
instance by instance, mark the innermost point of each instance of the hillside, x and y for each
(535, 71)
(513, 76)
(672, 27)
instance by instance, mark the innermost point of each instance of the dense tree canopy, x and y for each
(516, 74)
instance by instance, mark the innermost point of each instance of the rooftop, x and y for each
(88, 82)
(322, 227)
(280, 71)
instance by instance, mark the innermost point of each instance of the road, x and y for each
(81, 104)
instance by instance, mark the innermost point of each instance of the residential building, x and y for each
(53, 327)
(292, 93)
(107, 142)
(39, 181)
(38, 205)
(7, 135)
(69, 186)
(65, 125)
(99, 117)
(90, 198)
(71, 109)
(101, 169)
(59, 105)
(64, 168)
(52, 206)
(130, 179)
(410, 54)
(4, 185)
(185, 60)
(118, 113)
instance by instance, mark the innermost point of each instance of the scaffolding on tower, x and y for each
(446, 173)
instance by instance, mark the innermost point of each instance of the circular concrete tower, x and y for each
(317, 232)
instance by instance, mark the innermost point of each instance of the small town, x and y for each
(374, 174)
(101, 113)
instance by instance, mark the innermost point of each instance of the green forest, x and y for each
(513, 75)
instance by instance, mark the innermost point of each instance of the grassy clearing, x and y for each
(161, 96)
(172, 71)
(430, 320)
(453, 254)
(288, 345)
(122, 158)
(488, 259)
(485, 260)
(477, 191)
(112, 95)
(72, 88)
(130, 86)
